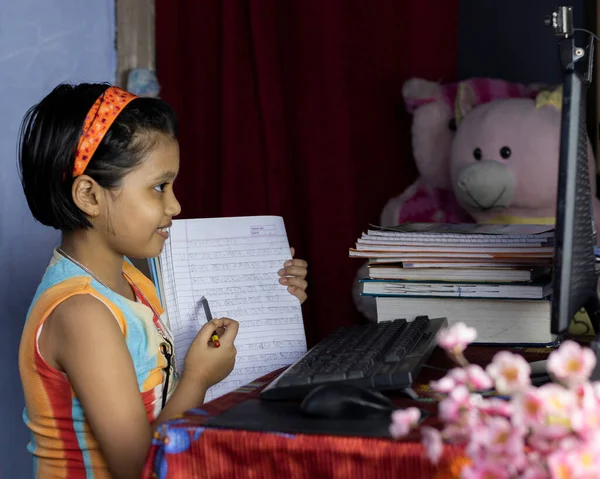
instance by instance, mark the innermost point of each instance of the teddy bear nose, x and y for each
(485, 184)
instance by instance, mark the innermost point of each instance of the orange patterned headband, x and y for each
(101, 116)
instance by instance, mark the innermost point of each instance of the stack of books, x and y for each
(496, 278)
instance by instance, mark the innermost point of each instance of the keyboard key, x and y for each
(355, 374)
(407, 340)
(327, 377)
(291, 380)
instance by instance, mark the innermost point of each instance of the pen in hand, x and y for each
(214, 337)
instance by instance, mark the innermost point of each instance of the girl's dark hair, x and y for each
(48, 142)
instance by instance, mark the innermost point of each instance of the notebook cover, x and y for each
(155, 280)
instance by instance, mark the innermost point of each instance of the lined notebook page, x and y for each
(234, 263)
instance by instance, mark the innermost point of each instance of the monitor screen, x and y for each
(574, 277)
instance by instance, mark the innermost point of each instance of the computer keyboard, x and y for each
(382, 356)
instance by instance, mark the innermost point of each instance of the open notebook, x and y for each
(233, 262)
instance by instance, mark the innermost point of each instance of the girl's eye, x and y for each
(160, 188)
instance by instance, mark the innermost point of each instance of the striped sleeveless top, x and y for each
(61, 440)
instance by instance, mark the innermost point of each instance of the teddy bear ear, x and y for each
(551, 98)
(418, 91)
(466, 99)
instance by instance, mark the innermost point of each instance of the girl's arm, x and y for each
(84, 340)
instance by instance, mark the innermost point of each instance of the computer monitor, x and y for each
(574, 273)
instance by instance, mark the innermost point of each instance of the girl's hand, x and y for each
(292, 274)
(208, 364)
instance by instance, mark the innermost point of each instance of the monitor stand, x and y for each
(539, 374)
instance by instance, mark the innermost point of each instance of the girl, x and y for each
(95, 359)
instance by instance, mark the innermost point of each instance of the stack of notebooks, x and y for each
(496, 278)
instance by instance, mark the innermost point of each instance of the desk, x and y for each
(187, 449)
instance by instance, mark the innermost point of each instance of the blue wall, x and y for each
(42, 43)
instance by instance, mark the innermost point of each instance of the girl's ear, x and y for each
(87, 195)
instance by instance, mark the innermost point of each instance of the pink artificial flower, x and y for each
(403, 420)
(456, 433)
(559, 465)
(510, 372)
(571, 363)
(544, 440)
(496, 407)
(456, 338)
(541, 433)
(473, 376)
(445, 384)
(581, 461)
(485, 470)
(497, 438)
(431, 439)
(459, 375)
(477, 378)
(535, 471)
(529, 407)
(541, 443)
(585, 416)
(586, 461)
(559, 406)
(454, 407)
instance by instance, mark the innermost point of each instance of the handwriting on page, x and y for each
(234, 263)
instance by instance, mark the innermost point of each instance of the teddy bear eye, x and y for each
(452, 124)
(477, 153)
(505, 152)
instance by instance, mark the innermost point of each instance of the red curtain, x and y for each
(294, 108)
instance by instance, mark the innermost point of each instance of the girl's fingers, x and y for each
(295, 282)
(299, 293)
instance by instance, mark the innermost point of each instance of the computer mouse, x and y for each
(539, 374)
(343, 401)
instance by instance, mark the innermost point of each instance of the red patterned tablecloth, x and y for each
(184, 448)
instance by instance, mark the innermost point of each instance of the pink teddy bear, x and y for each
(433, 105)
(504, 160)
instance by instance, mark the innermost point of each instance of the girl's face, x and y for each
(138, 214)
